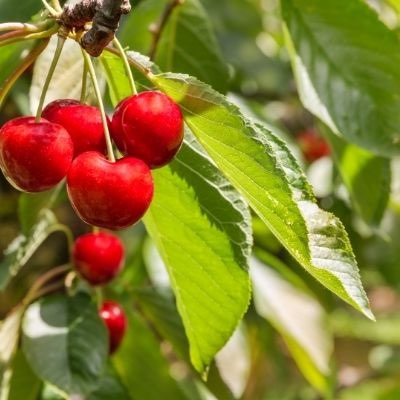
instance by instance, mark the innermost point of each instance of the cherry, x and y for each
(34, 156)
(116, 322)
(148, 126)
(83, 123)
(312, 145)
(109, 194)
(98, 257)
(116, 129)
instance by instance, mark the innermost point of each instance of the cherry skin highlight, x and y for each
(312, 145)
(148, 126)
(34, 156)
(116, 322)
(98, 257)
(83, 123)
(107, 194)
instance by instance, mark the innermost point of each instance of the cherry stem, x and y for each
(68, 234)
(92, 74)
(127, 67)
(20, 35)
(56, 57)
(49, 8)
(26, 63)
(18, 26)
(48, 289)
(56, 5)
(84, 82)
(42, 280)
(139, 67)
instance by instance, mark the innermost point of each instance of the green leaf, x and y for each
(30, 205)
(141, 366)
(10, 57)
(366, 176)
(9, 336)
(188, 45)
(23, 247)
(110, 388)
(254, 72)
(66, 82)
(201, 227)
(261, 167)
(134, 31)
(65, 342)
(161, 311)
(24, 384)
(346, 65)
(300, 320)
(117, 80)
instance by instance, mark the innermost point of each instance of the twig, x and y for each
(42, 280)
(157, 29)
(14, 26)
(105, 23)
(30, 36)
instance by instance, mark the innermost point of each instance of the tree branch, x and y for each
(105, 23)
(105, 16)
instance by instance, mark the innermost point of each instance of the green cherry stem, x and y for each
(49, 8)
(18, 26)
(20, 35)
(96, 88)
(127, 67)
(146, 72)
(56, 57)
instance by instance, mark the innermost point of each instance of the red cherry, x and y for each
(312, 145)
(109, 194)
(116, 322)
(116, 125)
(83, 123)
(148, 126)
(98, 257)
(34, 156)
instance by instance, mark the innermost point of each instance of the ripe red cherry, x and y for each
(312, 145)
(109, 194)
(34, 156)
(115, 320)
(116, 129)
(148, 126)
(98, 257)
(83, 123)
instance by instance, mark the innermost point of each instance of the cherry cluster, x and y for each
(69, 141)
(98, 258)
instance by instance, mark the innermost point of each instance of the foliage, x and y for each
(236, 253)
